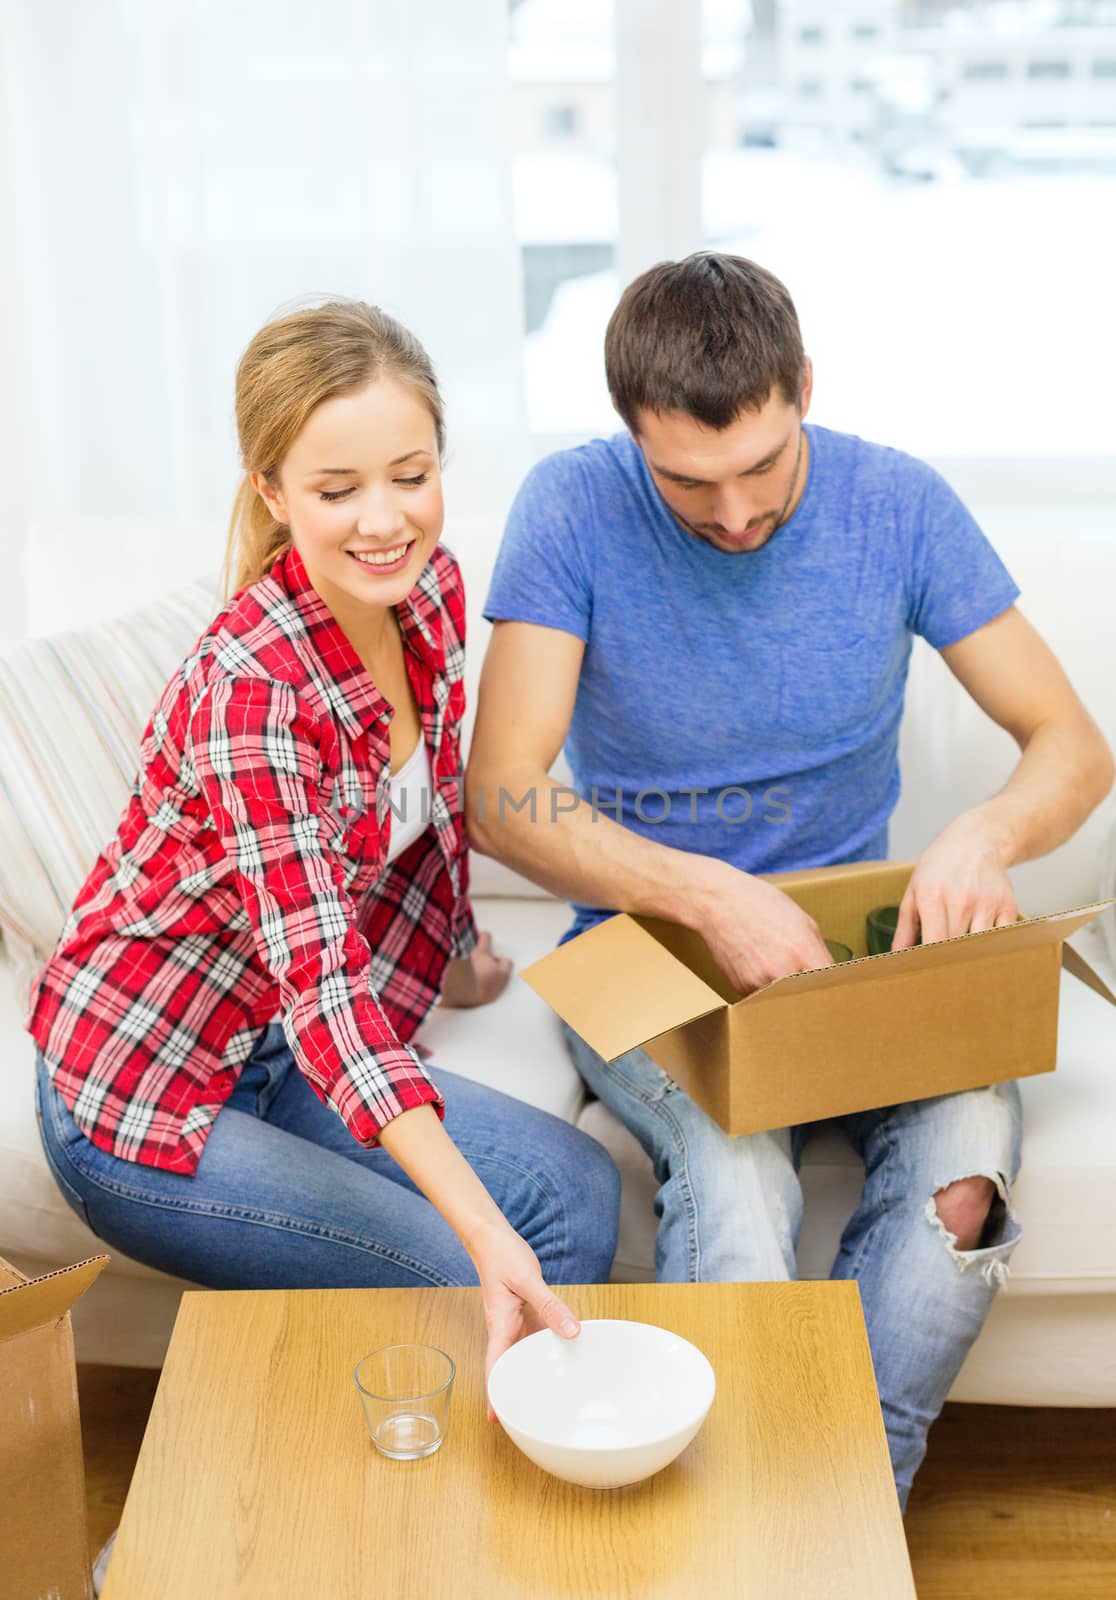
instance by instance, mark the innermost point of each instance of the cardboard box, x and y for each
(875, 1031)
(44, 1552)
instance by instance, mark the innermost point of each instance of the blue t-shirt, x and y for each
(745, 705)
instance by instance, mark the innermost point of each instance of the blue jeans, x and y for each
(730, 1209)
(285, 1198)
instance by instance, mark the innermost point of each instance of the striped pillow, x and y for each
(73, 709)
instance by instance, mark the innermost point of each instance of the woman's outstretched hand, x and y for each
(517, 1301)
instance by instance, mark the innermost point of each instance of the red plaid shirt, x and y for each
(249, 876)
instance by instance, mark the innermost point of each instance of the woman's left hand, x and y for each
(477, 979)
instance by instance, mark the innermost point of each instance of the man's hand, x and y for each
(756, 933)
(959, 886)
(477, 979)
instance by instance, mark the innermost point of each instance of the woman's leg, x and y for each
(729, 1209)
(269, 1207)
(557, 1187)
(265, 1210)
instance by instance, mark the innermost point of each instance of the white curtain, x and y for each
(174, 173)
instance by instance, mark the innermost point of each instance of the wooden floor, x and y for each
(1012, 1503)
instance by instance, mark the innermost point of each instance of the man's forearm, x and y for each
(532, 825)
(1062, 776)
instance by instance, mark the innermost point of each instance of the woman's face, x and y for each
(361, 491)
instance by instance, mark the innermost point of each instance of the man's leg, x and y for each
(729, 1209)
(929, 1245)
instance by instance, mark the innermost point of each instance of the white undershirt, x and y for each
(410, 805)
(410, 800)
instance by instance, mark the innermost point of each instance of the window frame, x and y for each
(659, 219)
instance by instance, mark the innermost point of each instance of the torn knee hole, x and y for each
(971, 1211)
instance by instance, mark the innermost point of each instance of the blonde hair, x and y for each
(293, 364)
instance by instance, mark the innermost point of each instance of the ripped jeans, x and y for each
(730, 1210)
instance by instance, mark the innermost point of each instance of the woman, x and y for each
(288, 889)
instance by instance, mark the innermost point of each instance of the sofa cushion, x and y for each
(1106, 922)
(72, 712)
(1066, 1195)
(517, 1044)
(952, 756)
(35, 1221)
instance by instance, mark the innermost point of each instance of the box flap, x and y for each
(1026, 934)
(9, 1276)
(1080, 968)
(45, 1549)
(43, 1300)
(618, 986)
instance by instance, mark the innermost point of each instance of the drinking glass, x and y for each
(882, 922)
(405, 1390)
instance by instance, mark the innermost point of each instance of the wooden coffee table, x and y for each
(257, 1477)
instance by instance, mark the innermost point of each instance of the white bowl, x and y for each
(610, 1407)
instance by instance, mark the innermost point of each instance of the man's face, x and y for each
(734, 487)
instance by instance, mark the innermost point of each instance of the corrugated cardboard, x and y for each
(44, 1547)
(876, 1031)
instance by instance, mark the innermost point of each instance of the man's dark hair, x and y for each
(712, 335)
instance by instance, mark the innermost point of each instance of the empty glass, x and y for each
(405, 1391)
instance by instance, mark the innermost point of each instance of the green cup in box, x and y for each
(881, 925)
(839, 952)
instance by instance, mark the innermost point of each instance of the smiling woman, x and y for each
(225, 1027)
(365, 531)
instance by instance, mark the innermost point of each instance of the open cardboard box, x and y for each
(45, 1550)
(876, 1031)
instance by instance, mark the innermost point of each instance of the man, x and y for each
(717, 606)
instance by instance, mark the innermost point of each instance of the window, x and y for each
(812, 35)
(560, 122)
(984, 71)
(1104, 69)
(561, 62)
(1048, 69)
(959, 223)
(861, 85)
(865, 31)
(958, 216)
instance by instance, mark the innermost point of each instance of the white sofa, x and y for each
(1051, 1337)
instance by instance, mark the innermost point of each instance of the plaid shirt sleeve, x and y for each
(464, 923)
(254, 745)
(464, 934)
